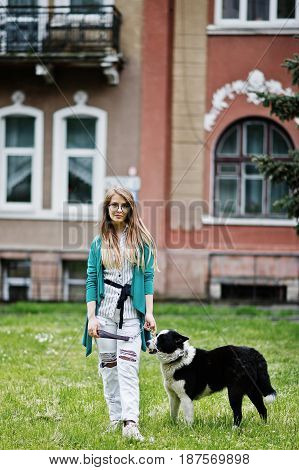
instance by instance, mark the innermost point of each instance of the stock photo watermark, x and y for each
(185, 223)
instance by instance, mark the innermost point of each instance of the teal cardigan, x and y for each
(142, 284)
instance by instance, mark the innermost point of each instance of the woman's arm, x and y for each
(91, 293)
(91, 280)
(150, 323)
(93, 324)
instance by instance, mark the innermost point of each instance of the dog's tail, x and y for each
(264, 383)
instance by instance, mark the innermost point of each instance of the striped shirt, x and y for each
(121, 276)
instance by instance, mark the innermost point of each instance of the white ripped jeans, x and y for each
(119, 366)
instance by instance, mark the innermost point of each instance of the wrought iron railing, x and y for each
(59, 30)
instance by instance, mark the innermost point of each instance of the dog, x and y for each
(191, 373)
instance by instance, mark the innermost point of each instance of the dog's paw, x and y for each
(235, 428)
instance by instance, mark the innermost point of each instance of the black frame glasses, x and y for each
(124, 207)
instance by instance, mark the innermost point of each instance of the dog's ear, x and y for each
(181, 339)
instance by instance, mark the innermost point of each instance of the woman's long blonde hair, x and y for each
(136, 235)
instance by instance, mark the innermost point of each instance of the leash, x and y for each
(107, 335)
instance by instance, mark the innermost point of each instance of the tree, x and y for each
(285, 108)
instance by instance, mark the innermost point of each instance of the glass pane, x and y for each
(258, 10)
(251, 169)
(279, 144)
(230, 9)
(228, 143)
(81, 133)
(18, 268)
(18, 293)
(19, 3)
(227, 168)
(19, 131)
(285, 8)
(227, 196)
(76, 269)
(84, 4)
(77, 293)
(255, 139)
(278, 191)
(253, 196)
(80, 180)
(18, 178)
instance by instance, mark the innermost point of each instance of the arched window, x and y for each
(21, 152)
(79, 160)
(240, 190)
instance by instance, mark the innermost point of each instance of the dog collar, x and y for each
(184, 353)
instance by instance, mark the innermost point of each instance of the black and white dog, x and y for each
(191, 373)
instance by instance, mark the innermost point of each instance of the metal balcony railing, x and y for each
(59, 32)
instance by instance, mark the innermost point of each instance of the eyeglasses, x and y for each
(124, 207)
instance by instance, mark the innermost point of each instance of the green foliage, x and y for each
(285, 108)
(52, 398)
(293, 66)
(279, 171)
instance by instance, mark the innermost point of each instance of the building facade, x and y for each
(70, 127)
(224, 237)
(157, 95)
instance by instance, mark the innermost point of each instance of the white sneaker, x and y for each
(131, 431)
(112, 426)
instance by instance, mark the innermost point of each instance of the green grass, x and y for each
(51, 396)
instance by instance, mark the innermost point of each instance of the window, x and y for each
(74, 278)
(20, 158)
(240, 190)
(252, 293)
(85, 6)
(256, 12)
(79, 160)
(16, 280)
(19, 145)
(80, 135)
(21, 26)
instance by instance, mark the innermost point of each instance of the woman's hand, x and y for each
(93, 327)
(150, 323)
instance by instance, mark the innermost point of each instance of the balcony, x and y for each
(80, 35)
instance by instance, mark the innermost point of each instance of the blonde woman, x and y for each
(119, 297)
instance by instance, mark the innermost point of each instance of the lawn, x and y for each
(51, 396)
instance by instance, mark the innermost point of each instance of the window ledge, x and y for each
(233, 30)
(211, 220)
(47, 214)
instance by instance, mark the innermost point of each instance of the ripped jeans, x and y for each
(119, 366)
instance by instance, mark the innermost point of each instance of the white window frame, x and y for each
(60, 206)
(238, 143)
(14, 281)
(242, 22)
(228, 176)
(244, 178)
(242, 218)
(70, 281)
(277, 215)
(246, 125)
(37, 159)
(276, 155)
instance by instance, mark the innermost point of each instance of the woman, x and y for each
(119, 296)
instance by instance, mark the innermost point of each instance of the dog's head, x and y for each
(168, 344)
